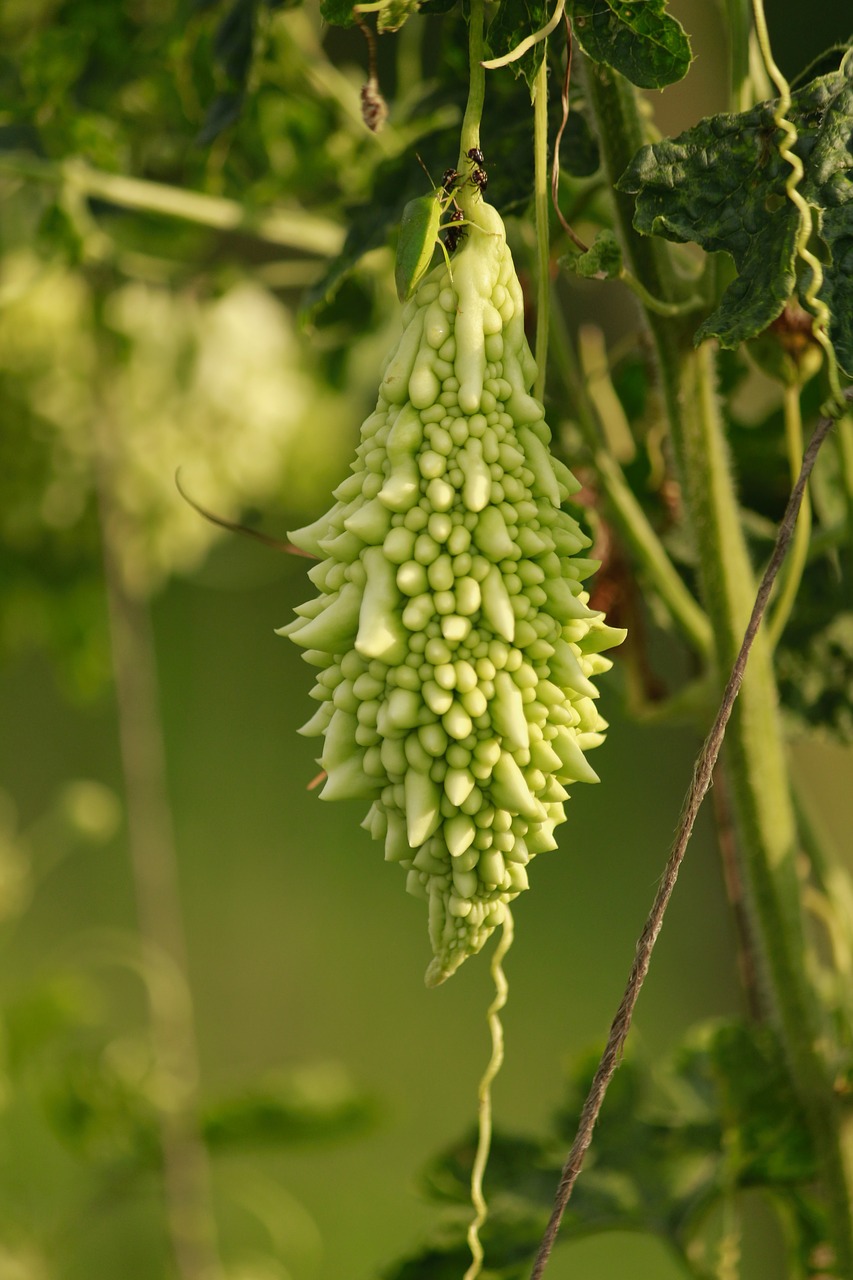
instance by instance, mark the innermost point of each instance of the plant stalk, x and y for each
(754, 752)
(624, 509)
(543, 247)
(291, 228)
(186, 1172)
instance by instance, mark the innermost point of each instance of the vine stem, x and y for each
(757, 768)
(543, 246)
(800, 548)
(484, 1095)
(294, 229)
(626, 511)
(471, 138)
(701, 781)
(153, 861)
(470, 134)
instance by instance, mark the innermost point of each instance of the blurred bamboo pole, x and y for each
(186, 1172)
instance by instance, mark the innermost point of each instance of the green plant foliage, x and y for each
(670, 1144)
(300, 1106)
(506, 135)
(638, 38)
(602, 261)
(390, 17)
(514, 21)
(722, 185)
(815, 660)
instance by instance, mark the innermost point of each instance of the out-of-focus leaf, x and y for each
(514, 21)
(304, 1105)
(636, 37)
(579, 154)
(338, 13)
(43, 1017)
(393, 14)
(722, 185)
(232, 43)
(100, 1105)
(742, 1068)
(510, 1237)
(221, 114)
(523, 1166)
(815, 664)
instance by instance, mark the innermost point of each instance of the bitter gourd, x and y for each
(454, 640)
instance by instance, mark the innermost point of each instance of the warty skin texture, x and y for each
(452, 635)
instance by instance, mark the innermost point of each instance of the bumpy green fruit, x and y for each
(452, 631)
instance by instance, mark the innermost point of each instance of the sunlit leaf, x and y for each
(636, 37)
(722, 185)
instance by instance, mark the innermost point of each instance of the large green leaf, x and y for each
(636, 37)
(722, 185)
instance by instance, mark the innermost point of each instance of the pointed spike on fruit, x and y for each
(423, 807)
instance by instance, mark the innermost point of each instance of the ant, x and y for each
(453, 234)
(479, 178)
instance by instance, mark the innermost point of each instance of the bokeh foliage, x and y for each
(134, 342)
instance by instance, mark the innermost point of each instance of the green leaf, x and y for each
(303, 1105)
(742, 1070)
(669, 1145)
(510, 1238)
(392, 15)
(101, 1107)
(514, 21)
(722, 185)
(396, 181)
(338, 13)
(603, 261)
(579, 153)
(520, 1165)
(636, 37)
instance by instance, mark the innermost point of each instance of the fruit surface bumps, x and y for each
(453, 643)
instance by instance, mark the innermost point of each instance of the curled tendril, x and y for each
(529, 41)
(484, 1140)
(821, 316)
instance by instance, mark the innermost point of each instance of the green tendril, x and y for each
(484, 1094)
(820, 311)
(543, 248)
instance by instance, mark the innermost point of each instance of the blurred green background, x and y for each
(303, 949)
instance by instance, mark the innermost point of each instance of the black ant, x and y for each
(453, 234)
(479, 178)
